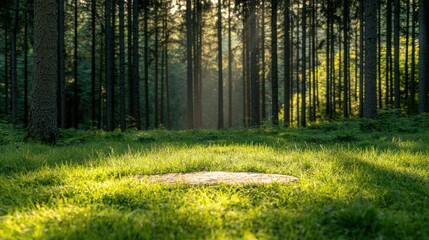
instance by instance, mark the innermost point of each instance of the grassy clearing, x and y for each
(358, 179)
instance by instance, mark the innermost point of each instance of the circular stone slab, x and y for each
(207, 178)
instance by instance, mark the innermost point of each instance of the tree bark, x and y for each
(13, 63)
(313, 59)
(287, 64)
(362, 56)
(122, 65)
(297, 63)
(190, 91)
(100, 83)
(328, 61)
(25, 68)
(156, 70)
(109, 67)
(93, 65)
(167, 87)
(370, 101)
(43, 111)
(136, 65)
(423, 56)
(304, 67)
(146, 65)
(411, 100)
(6, 69)
(244, 64)
(254, 85)
(163, 62)
(61, 68)
(397, 26)
(407, 51)
(263, 64)
(388, 50)
(229, 66)
(199, 51)
(75, 73)
(379, 80)
(220, 67)
(274, 64)
(131, 107)
(346, 57)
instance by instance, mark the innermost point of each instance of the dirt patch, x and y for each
(208, 178)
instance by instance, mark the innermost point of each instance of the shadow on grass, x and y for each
(85, 148)
(397, 208)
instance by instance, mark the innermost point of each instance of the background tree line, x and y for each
(224, 63)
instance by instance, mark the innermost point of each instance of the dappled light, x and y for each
(352, 183)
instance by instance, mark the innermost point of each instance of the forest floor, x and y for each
(357, 179)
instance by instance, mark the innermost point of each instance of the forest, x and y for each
(97, 97)
(208, 64)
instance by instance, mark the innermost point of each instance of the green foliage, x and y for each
(355, 183)
(391, 120)
(358, 219)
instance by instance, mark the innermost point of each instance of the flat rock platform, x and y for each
(210, 178)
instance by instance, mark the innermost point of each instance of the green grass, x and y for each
(358, 180)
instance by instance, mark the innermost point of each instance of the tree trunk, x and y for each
(167, 88)
(199, 68)
(61, 67)
(13, 63)
(6, 69)
(328, 61)
(304, 67)
(190, 91)
(25, 68)
(397, 56)
(43, 111)
(346, 57)
(244, 64)
(388, 50)
(361, 56)
(333, 66)
(146, 65)
(100, 83)
(122, 65)
(229, 66)
(75, 83)
(131, 107)
(114, 74)
(298, 119)
(263, 77)
(370, 101)
(274, 64)
(407, 51)
(423, 56)
(411, 101)
(196, 63)
(109, 67)
(313, 58)
(220, 67)
(163, 61)
(379, 80)
(287, 66)
(292, 59)
(249, 88)
(156, 70)
(93, 65)
(254, 86)
(136, 65)
(356, 64)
